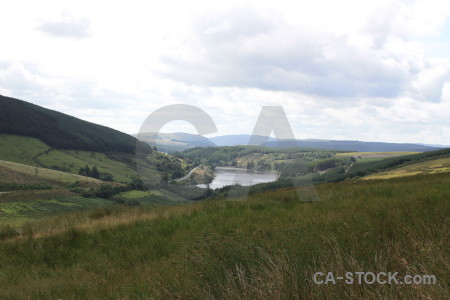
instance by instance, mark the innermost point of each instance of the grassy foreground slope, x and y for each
(267, 247)
(36, 205)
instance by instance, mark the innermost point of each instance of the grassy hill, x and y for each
(39, 137)
(234, 140)
(120, 166)
(266, 247)
(19, 173)
(172, 142)
(352, 145)
(61, 131)
(431, 166)
(366, 167)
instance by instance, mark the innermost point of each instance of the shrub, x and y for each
(7, 232)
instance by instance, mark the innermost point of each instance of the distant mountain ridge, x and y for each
(172, 142)
(358, 146)
(59, 130)
(236, 140)
(244, 139)
(62, 131)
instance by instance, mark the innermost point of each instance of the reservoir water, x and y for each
(229, 176)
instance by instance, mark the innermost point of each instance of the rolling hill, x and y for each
(39, 137)
(178, 141)
(12, 172)
(234, 140)
(181, 141)
(61, 131)
(358, 146)
(365, 167)
(428, 166)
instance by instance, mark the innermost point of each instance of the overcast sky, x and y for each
(358, 70)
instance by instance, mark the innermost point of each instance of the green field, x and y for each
(266, 247)
(21, 149)
(441, 165)
(17, 149)
(33, 152)
(10, 169)
(375, 154)
(365, 157)
(23, 207)
(153, 197)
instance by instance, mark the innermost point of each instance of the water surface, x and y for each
(229, 176)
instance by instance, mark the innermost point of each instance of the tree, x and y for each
(87, 171)
(106, 177)
(136, 184)
(209, 191)
(95, 173)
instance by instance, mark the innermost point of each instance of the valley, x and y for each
(122, 219)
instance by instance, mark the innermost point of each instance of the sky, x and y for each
(347, 70)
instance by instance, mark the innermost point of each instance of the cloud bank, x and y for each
(367, 70)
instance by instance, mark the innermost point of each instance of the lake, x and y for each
(229, 176)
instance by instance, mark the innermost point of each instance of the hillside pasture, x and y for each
(434, 166)
(12, 172)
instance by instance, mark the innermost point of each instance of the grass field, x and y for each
(33, 152)
(19, 208)
(363, 157)
(266, 247)
(10, 171)
(162, 197)
(21, 149)
(441, 165)
(375, 154)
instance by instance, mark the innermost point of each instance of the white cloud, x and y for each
(66, 28)
(342, 69)
(377, 60)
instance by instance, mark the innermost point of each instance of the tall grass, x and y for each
(266, 247)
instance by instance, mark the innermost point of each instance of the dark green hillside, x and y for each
(59, 130)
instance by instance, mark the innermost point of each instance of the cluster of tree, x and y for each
(288, 162)
(86, 171)
(292, 168)
(330, 163)
(220, 156)
(107, 191)
(171, 167)
(94, 173)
